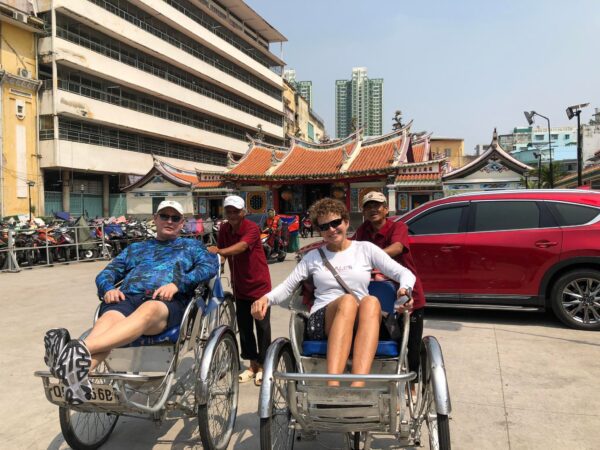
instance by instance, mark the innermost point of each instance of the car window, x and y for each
(570, 214)
(440, 221)
(506, 215)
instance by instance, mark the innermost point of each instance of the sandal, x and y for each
(258, 378)
(246, 376)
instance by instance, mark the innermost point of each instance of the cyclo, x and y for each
(294, 395)
(191, 368)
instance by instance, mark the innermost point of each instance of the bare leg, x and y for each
(365, 342)
(339, 326)
(149, 318)
(104, 323)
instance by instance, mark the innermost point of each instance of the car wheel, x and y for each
(576, 299)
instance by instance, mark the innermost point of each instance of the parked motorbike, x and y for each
(275, 244)
(306, 227)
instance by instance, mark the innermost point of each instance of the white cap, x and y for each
(170, 204)
(236, 201)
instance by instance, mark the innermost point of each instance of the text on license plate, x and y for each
(101, 393)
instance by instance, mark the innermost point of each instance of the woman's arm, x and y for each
(281, 292)
(382, 261)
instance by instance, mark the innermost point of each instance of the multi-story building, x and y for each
(19, 161)
(453, 149)
(304, 88)
(300, 120)
(530, 144)
(181, 79)
(359, 104)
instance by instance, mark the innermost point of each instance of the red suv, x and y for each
(526, 249)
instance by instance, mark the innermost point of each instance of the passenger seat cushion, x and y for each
(385, 349)
(168, 336)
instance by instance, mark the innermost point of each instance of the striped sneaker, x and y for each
(72, 369)
(55, 341)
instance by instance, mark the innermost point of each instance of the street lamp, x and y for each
(538, 156)
(30, 184)
(82, 189)
(529, 116)
(572, 111)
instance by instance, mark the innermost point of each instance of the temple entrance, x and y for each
(297, 198)
(316, 192)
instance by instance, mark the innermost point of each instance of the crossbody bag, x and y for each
(389, 320)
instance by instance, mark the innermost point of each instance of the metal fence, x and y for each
(37, 247)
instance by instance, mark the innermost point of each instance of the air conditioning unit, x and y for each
(24, 73)
(20, 16)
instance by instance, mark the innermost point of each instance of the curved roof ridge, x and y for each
(328, 145)
(169, 165)
(389, 136)
(258, 143)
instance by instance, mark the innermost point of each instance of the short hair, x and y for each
(326, 206)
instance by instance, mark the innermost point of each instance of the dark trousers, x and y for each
(415, 335)
(414, 339)
(246, 325)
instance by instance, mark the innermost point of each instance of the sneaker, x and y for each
(72, 369)
(55, 341)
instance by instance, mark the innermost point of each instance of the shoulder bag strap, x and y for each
(337, 276)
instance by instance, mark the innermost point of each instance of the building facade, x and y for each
(180, 79)
(359, 104)
(532, 148)
(300, 120)
(452, 149)
(304, 88)
(19, 162)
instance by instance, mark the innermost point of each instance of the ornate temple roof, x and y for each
(180, 177)
(494, 152)
(345, 158)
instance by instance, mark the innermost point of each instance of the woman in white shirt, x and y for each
(335, 314)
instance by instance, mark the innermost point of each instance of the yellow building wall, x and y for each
(452, 149)
(17, 51)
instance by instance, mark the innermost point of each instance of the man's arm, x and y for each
(204, 267)
(235, 249)
(398, 240)
(113, 273)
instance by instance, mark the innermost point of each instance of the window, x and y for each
(554, 136)
(506, 215)
(569, 214)
(311, 131)
(440, 221)
(156, 201)
(567, 137)
(539, 137)
(447, 152)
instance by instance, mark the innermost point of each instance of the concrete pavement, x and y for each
(517, 380)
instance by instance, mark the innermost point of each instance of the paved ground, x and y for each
(517, 380)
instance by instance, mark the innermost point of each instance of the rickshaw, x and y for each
(295, 398)
(191, 369)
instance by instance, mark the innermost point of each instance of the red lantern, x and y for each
(338, 193)
(287, 195)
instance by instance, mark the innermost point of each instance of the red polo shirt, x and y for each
(389, 233)
(249, 271)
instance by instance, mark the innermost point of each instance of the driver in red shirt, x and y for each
(239, 242)
(392, 237)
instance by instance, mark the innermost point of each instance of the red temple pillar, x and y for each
(348, 196)
(275, 193)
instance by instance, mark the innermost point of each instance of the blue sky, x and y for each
(457, 68)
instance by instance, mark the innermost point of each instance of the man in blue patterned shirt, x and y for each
(158, 278)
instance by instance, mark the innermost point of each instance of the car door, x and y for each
(436, 239)
(509, 247)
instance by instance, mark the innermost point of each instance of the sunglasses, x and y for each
(333, 224)
(166, 217)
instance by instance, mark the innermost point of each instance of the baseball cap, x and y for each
(170, 204)
(235, 201)
(374, 196)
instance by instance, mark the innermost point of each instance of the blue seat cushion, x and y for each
(385, 349)
(169, 336)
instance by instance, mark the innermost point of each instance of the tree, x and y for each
(545, 174)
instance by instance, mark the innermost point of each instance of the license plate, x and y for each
(101, 393)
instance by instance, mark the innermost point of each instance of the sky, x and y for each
(458, 68)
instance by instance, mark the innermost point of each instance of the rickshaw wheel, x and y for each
(86, 430)
(227, 312)
(216, 418)
(438, 425)
(275, 431)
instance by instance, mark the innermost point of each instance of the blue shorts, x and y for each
(132, 302)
